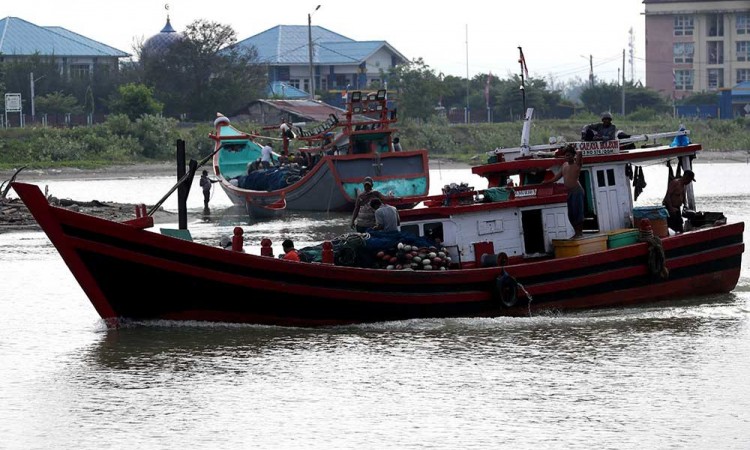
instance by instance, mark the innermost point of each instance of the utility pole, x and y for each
(466, 113)
(591, 70)
(309, 41)
(623, 82)
(31, 79)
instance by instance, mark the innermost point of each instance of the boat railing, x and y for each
(557, 144)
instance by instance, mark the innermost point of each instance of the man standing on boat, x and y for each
(363, 216)
(675, 198)
(265, 156)
(571, 170)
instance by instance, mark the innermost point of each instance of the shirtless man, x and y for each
(570, 171)
(675, 198)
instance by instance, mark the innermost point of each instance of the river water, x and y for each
(668, 376)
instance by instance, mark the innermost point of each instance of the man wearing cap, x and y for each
(675, 198)
(363, 216)
(604, 131)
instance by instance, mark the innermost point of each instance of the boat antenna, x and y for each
(524, 71)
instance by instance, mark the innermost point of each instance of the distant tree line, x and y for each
(205, 72)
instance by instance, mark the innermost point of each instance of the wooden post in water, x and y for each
(181, 194)
(183, 190)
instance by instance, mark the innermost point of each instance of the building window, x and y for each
(294, 82)
(743, 75)
(79, 71)
(743, 23)
(683, 52)
(683, 80)
(715, 25)
(341, 81)
(743, 50)
(683, 25)
(323, 83)
(716, 52)
(715, 78)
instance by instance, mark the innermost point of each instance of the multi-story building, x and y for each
(696, 46)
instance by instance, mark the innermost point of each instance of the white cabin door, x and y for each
(605, 180)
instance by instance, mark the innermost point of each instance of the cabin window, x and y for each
(605, 178)
(413, 229)
(434, 231)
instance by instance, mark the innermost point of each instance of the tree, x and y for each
(510, 99)
(701, 98)
(46, 75)
(135, 100)
(419, 88)
(204, 72)
(608, 97)
(57, 103)
(89, 106)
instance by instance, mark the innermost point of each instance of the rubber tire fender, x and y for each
(506, 289)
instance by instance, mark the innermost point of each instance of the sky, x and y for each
(558, 38)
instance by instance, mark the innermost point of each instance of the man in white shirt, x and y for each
(265, 156)
(386, 216)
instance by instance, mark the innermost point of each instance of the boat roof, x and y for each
(590, 157)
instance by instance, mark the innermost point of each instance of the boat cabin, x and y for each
(523, 217)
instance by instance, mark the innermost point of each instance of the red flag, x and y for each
(522, 61)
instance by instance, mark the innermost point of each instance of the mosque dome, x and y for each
(160, 42)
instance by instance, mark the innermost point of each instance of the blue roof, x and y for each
(288, 44)
(19, 37)
(742, 88)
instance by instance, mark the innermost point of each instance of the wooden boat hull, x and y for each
(333, 183)
(115, 263)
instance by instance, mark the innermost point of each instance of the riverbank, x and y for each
(169, 168)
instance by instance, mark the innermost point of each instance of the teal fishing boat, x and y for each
(327, 171)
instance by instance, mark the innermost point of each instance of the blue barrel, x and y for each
(650, 213)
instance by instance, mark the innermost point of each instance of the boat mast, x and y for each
(522, 62)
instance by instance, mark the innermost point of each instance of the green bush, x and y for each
(120, 140)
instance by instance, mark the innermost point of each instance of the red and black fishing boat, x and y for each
(505, 252)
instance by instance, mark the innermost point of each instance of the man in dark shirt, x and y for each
(604, 131)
